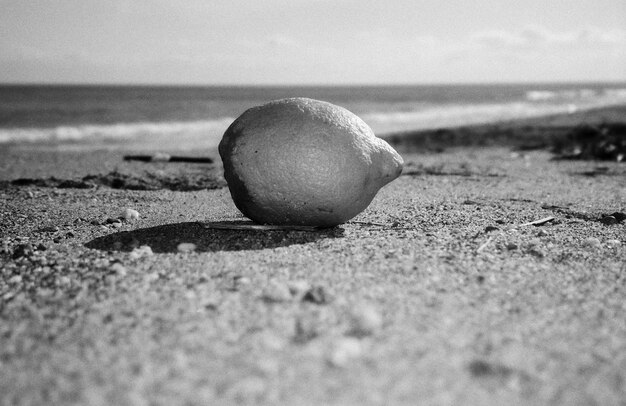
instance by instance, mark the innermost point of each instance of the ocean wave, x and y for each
(89, 132)
(574, 95)
(207, 133)
(467, 114)
(455, 115)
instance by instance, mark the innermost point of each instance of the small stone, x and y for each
(160, 157)
(118, 268)
(298, 288)
(116, 225)
(317, 295)
(151, 277)
(104, 228)
(608, 220)
(345, 350)
(211, 303)
(276, 292)
(614, 243)
(95, 222)
(129, 214)
(111, 221)
(511, 246)
(41, 247)
(542, 233)
(240, 282)
(489, 229)
(23, 250)
(140, 252)
(592, 242)
(64, 281)
(15, 279)
(364, 320)
(186, 247)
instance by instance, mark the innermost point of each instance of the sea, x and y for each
(195, 117)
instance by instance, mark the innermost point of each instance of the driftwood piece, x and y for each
(168, 158)
(539, 222)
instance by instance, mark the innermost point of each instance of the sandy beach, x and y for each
(442, 292)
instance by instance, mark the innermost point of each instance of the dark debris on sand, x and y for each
(599, 142)
(184, 181)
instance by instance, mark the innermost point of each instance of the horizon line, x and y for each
(309, 85)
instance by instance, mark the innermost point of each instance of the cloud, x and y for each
(535, 37)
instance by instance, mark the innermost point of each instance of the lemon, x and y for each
(301, 161)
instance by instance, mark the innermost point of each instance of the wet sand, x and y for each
(439, 293)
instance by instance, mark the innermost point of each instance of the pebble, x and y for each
(118, 268)
(64, 281)
(151, 277)
(140, 252)
(276, 292)
(211, 303)
(345, 350)
(116, 225)
(15, 279)
(364, 320)
(614, 242)
(129, 214)
(23, 250)
(511, 246)
(536, 252)
(317, 295)
(489, 229)
(186, 247)
(240, 282)
(298, 288)
(542, 233)
(160, 157)
(592, 242)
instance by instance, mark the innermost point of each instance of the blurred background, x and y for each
(163, 71)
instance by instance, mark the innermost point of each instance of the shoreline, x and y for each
(538, 131)
(73, 161)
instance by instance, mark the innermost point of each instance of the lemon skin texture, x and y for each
(301, 161)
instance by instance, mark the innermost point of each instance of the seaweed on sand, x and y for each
(601, 142)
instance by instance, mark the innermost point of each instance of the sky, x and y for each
(306, 42)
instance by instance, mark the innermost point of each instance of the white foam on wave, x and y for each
(540, 103)
(122, 131)
(574, 95)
